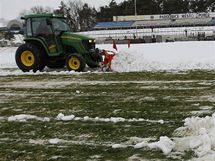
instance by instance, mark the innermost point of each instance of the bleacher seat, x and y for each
(154, 23)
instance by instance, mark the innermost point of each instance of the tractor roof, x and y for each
(40, 15)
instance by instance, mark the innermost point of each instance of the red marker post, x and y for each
(114, 44)
(129, 43)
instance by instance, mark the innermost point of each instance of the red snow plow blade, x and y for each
(107, 60)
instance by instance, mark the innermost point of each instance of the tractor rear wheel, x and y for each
(28, 57)
(75, 62)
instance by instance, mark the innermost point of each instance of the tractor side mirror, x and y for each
(48, 22)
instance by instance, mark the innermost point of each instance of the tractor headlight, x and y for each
(90, 41)
(94, 41)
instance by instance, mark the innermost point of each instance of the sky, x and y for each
(10, 9)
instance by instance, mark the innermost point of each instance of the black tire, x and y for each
(93, 64)
(43, 58)
(96, 59)
(41, 66)
(54, 64)
(28, 57)
(75, 62)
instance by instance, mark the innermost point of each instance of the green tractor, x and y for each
(49, 42)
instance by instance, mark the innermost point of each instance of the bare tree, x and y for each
(73, 13)
(79, 15)
(40, 9)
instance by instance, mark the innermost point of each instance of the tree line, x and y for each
(150, 7)
(82, 17)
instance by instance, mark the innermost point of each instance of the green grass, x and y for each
(149, 95)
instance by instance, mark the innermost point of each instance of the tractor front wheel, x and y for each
(75, 62)
(28, 58)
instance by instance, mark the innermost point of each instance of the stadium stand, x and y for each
(156, 28)
(154, 23)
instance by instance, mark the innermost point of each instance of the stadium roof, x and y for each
(117, 24)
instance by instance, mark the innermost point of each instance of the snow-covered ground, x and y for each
(142, 57)
(197, 134)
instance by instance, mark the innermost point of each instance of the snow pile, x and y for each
(198, 134)
(23, 117)
(164, 56)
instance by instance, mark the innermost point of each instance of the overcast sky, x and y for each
(10, 9)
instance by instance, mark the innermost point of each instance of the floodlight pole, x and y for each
(135, 7)
(135, 12)
(1, 13)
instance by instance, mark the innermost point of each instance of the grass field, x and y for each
(153, 96)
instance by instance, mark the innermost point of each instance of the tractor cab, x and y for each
(50, 42)
(47, 28)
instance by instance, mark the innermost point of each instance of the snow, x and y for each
(7, 57)
(24, 117)
(77, 92)
(62, 117)
(164, 56)
(164, 144)
(197, 134)
(202, 146)
(38, 142)
(54, 141)
(140, 145)
(117, 146)
(139, 57)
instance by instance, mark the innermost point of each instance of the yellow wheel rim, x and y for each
(74, 63)
(27, 58)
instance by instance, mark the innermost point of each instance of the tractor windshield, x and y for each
(59, 24)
